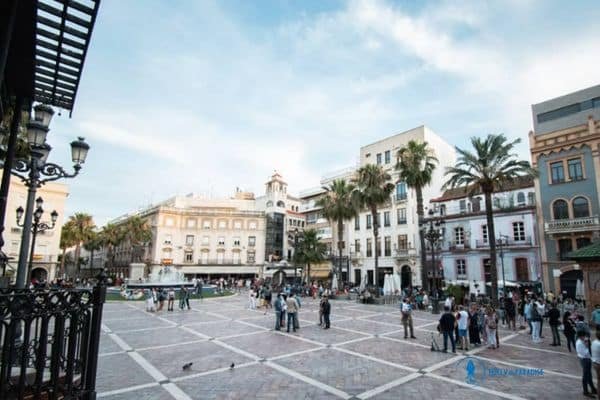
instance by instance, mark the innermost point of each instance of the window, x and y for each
(378, 219)
(560, 209)
(462, 205)
(521, 198)
(250, 257)
(559, 112)
(280, 204)
(387, 246)
(461, 269)
(401, 216)
(575, 169)
(484, 233)
(357, 223)
(206, 224)
(189, 240)
(487, 270)
(221, 241)
(387, 157)
(386, 218)
(580, 207)
(378, 158)
(476, 204)
(237, 225)
(235, 258)
(222, 224)
(443, 209)
(369, 221)
(518, 231)
(251, 241)
(357, 245)
(402, 242)
(188, 256)
(582, 242)
(168, 239)
(369, 247)
(269, 203)
(531, 198)
(205, 240)
(236, 241)
(220, 257)
(191, 223)
(400, 191)
(565, 246)
(557, 172)
(378, 247)
(204, 257)
(459, 235)
(169, 221)
(252, 225)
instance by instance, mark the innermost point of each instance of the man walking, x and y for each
(554, 322)
(278, 310)
(407, 321)
(292, 309)
(446, 326)
(326, 311)
(585, 359)
(463, 324)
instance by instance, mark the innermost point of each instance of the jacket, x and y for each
(292, 306)
(447, 322)
(278, 305)
(326, 308)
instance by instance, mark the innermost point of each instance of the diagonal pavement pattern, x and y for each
(363, 356)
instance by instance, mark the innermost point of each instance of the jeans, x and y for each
(570, 341)
(277, 320)
(291, 320)
(535, 333)
(555, 335)
(586, 378)
(449, 334)
(408, 323)
(326, 318)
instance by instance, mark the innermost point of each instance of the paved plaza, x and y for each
(363, 356)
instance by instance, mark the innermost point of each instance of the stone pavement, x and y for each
(363, 356)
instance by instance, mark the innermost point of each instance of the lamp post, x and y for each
(433, 235)
(34, 171)
(297, 237)
(37, 227)
(501, 244)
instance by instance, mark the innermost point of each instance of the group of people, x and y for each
(155, 299)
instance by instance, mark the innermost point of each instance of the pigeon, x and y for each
(232, 366)
(187, 366)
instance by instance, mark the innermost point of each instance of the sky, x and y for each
(182, 96)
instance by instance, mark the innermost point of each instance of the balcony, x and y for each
(585, 224)
(405, 253)
(456, 246)
(220, 261)
(356, 255)
(400, 197)
(484, 244)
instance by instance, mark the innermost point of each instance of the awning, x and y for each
(217, 269)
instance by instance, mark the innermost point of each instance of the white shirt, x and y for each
(596, 351)
(582, 349)
(406, 307)
(464, 318)
(448, 302)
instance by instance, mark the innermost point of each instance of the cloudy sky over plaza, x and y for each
(206, 96)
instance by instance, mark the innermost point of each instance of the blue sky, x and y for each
(205, 96)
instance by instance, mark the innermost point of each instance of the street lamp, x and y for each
(297, 236)
(36, 227)
(35, 171)
(501, 244)
(433, 235)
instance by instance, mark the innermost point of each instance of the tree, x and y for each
(82, 230)
(372, 190)
(491, 166)
(337, 207)
(138, 233)
(93, 244)
(415, 164)
(310, 251)
(66, 241)
(111, 236)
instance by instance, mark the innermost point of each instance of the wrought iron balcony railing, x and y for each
(584, 224)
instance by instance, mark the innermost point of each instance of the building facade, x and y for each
(463, 251)
(45, 264)
(565, 148)
(399, 245)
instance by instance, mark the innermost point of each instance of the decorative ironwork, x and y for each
(23, 169)
(49, 342)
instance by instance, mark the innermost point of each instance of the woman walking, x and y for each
(569, 330)
(474, 326)
(491, 325)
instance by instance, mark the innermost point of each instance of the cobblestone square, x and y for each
(363, 356)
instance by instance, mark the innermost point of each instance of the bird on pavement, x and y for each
(231, 366)
(187, 366)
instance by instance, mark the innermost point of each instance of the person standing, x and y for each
(536, 322)
(491, 325)
(292, 309)
(150, 301)
(199, 288)
(407, 322)
(463, 323)
(474, 326)
(569, 330)
(326, 311)
(184, 298)
(554, 322)
(509, 309)
(170, 299)
(527, 311)
(585, 359)
(596, 357)
(446, 326)
(278, 309)
(596, 316)
(541, 308)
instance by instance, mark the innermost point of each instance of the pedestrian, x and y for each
(527, 311)
(509, 309)
(297, 316)
(326, 311)
(278, 309)
(596, 357)
(184, 298)
(474, 337)
(161, 299)
(541, 308)
(536, 322)
(150, 307)
(252, 299)
(171, 299)
(292, 309)
(283, 308)
(554, 322)
(491, 326)
(407, 321)
(446, 326)
(321, 311)
(463, 323)
(569, 330)
(199, 289)
(585, 359)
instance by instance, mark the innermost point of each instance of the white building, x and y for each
(464, 253)
(399, 231)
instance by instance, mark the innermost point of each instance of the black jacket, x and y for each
(326, 307)
(447, 321)
(554, 316)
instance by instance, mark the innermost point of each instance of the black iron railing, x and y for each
(49, 342)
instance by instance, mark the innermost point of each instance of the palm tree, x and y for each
(491, 166)
(138, 233)
(111, 236)
(66, 241)
(82, 230)
(310, 251)
(372, 190)
(93, 244)
(415, 165)
(337, 207)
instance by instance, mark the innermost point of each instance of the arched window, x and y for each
(560, 209)
(269, 203)
(280, 204)
(581, 207)
(442, 209)
(521, 198)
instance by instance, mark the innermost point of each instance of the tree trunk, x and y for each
(77, 253)
(489, 212)
(420, 218)
(376, 246)
(308, 273)
(62, 261)
(340, 246)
